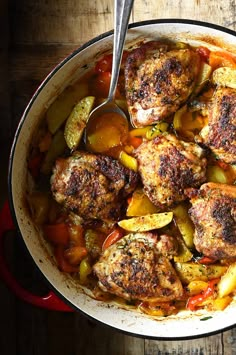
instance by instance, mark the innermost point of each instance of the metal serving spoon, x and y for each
(122, 10)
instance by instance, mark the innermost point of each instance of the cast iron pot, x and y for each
(70, 294)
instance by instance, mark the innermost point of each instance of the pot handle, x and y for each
(50, 301)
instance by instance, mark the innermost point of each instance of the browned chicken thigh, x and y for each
(168, 166)
(213, 213)
(137, 267)
(158, 81)
(220, 133)
(92, 186)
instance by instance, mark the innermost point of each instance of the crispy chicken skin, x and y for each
(158, 81)
(168, 166)
(213, 213)
(220, 133)
(92, 186)
(134, 268)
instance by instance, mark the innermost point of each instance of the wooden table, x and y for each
(36, 35)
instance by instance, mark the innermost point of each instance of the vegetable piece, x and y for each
(135, 141)
(57, 234)
(219, 304)
(161, 309)
(184, 224)
(187, 122)
(75, 254)
(94, 240)
(221, 59)
(128, 161)
(60, 109)
(146, 223)
(63, 264)
(192, 271)
(77, 120)
(195, 301)
(76, 233)
(104, 64)
(206, 260)
(184, 254)
(203, 77)
(107, 132)
(34, 165)
(197, 286)
(225, 76)
(215, 173)
(85, 269)
(140, 205)
(204, 53)
(45, 142)
(39, 203)
(57, 147)
(140, 132)
(54, 212)
(157, 130)
(112, 238)
(227, 282)
(100, 85)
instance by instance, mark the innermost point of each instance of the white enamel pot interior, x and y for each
(183, 325)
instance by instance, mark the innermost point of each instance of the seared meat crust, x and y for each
(134, 268)
(158, 81)
(168, 166)
(213, 213)
(220, 133)
(92, 186)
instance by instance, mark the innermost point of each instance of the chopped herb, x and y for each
(206, 318)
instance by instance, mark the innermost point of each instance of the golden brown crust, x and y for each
(158, 81)
(220, 133)
(213, 213)
(92, 186)
(168, 167)
(135, 269)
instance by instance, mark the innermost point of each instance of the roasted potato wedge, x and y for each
(146, 223)
(225, 76)
(62, 106)
(203, 77)
(77, 121)
(184, 224)
(192, 271)
(57, 147)
(184, 254)
(227, 282)
(140, 205)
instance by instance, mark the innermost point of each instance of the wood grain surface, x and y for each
(35, 36)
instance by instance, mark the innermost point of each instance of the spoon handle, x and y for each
(122, 10)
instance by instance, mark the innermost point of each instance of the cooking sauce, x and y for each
(78, 244)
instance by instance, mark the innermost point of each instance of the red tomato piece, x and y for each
(113, 237)
(63, 264)
(57, 234)
(104, 64)
(204, 53)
